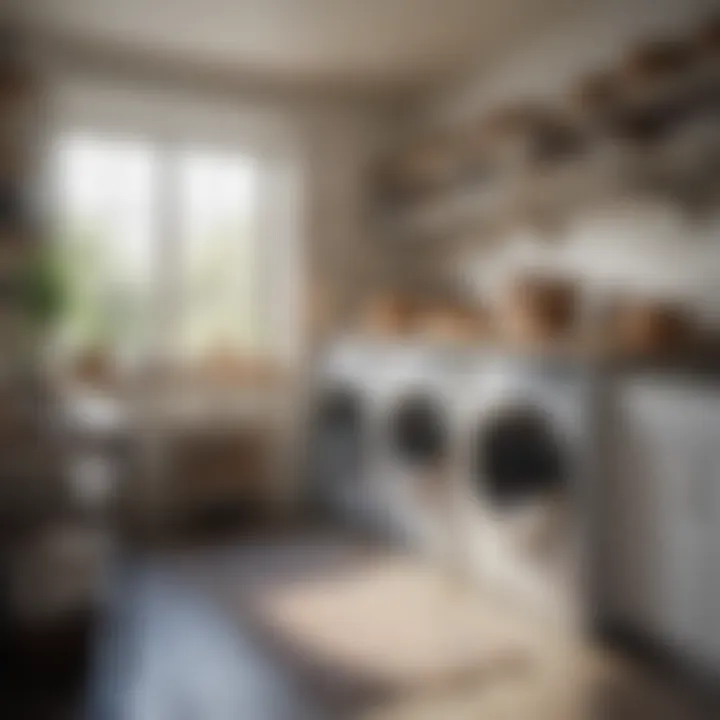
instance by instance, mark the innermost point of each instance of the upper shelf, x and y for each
(652, 125)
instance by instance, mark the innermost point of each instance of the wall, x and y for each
(546, 59)
(651, 247)
(330, 142)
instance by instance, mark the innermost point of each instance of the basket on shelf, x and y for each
(642, 326)
(539, 310)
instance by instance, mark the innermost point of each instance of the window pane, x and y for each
(218, 294)
(105, 243)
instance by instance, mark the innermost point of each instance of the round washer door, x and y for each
(419, 433)
(338, 431)
(518, 456)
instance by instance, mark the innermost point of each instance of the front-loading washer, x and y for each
(413, 441)
(526, 444)
(340, 435)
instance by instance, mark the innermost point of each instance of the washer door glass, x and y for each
(338, 438)
(517, 457)
(419, 432)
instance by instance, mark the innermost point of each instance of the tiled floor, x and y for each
(316, 628)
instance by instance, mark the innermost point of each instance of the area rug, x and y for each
(370, 625)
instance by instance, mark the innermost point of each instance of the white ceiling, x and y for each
(388, 45)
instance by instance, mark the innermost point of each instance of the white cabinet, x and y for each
(664, 506)
(708, 531)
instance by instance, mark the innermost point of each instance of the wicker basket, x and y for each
(538, 310)
(648, 327)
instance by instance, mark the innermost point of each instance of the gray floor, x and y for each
(166, 652)
(169, 649)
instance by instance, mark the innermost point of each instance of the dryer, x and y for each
(526, 442)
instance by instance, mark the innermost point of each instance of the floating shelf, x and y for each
(623, 130)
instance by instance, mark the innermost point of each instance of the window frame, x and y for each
(275, 154)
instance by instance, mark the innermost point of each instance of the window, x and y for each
(163, 250)
(219, 308)
(106, 229)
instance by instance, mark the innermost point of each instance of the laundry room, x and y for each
(361, 359)
(529, 370)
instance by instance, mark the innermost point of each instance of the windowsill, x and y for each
(116, 409)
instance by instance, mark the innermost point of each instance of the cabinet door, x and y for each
(655, 545)
(707, 625)
(629, 546)
(679, 529)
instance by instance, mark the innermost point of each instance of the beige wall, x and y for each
(331, 141)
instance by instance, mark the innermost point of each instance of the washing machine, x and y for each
(526, 445)
(339, 413)
(413, 446)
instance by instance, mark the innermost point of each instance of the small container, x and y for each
(654, 64)
(538, 310)
(707, 39)
(648, 327)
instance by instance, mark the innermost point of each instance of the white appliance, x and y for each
(339, 426)
(481, 461)
(413, 454)
(525, 452)
(662, 512)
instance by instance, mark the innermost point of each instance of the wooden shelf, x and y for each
(515, 163)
